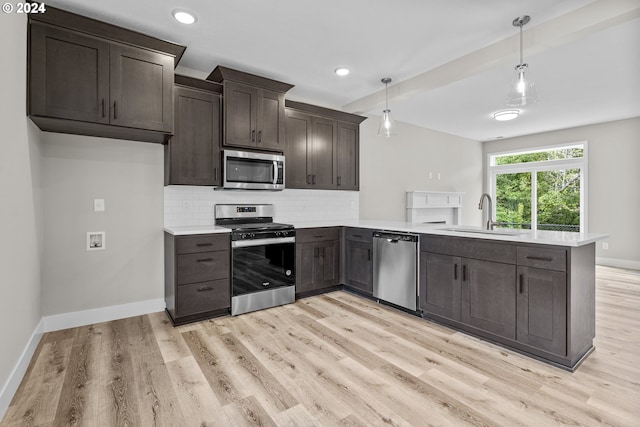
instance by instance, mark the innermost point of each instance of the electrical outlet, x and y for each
(98, 205)
(605, 245)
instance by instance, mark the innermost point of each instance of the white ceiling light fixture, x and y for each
(183, 16)
(342, 71)
(522, 90)
(387, 127)
(505, 115)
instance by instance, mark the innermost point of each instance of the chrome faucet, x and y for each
(490, 222)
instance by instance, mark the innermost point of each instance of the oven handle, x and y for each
(261, 242)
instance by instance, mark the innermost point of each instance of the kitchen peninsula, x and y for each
(531, 291)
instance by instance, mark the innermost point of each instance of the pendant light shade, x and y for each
(387, 126)
(522, 90)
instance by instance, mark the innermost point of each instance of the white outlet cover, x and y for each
(98, 205)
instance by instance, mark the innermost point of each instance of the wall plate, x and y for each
(96, 241)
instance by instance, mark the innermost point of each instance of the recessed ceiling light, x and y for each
(505, 115)
(342, 71)
(184, 17)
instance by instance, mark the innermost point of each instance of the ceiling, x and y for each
(451, 62)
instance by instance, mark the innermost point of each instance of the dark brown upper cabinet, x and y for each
(91, 78)
(192, 156)
(253, 110)
(322, 148)
(141, 94)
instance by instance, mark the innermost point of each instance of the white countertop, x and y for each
(558, 238)
(196, 229)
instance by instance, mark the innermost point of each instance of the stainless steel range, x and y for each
(262, 257)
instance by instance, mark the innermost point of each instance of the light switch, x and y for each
(98, 205)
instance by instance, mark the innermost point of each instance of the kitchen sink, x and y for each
(501, 232)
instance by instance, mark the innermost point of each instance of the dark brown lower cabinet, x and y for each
(317, 259)
(542, 309)
(358, 266)
(197, 276)
(440, 284)
(536, 299)
(488, 296)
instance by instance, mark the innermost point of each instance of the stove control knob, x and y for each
(243, 236)
(252, 235)
(278, 233)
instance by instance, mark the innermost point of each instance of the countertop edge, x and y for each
(193, 230)
(553, 238)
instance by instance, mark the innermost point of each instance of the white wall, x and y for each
(389, 167)
(613, 199)
(20, 214)
(128, 175)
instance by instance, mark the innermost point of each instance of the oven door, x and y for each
(253, 171)
(262, 264)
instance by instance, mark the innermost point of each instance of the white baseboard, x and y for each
(620, 263)
(15, 378)
(102, 314)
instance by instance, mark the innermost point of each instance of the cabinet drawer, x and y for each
(202, 243)
(543, 257)
(305, 235)
(202, 297)
(363, 235)
(202, 267)
(469, 248)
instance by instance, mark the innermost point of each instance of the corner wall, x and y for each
(20, 213)
(613, 199)
(389, 167)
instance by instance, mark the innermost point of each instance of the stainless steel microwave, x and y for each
(252, 171)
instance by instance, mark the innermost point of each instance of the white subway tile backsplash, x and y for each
(192, 206)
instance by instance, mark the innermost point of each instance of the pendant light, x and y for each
(387, 127)
(522, 90)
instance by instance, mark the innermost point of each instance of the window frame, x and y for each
(533, 167)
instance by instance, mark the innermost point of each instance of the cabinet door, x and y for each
(69, 75)
(298, 145)
(324, 146)
(240, 107)
(359, 266)
(270, 120)
(141, 88)
(542, 309)
(306, 266)
(329, 264)
(348, 155)
(440, 284)
(489, 296)
(194, 149)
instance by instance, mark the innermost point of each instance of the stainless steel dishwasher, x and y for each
(395, 268)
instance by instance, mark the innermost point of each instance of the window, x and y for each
(540, 189)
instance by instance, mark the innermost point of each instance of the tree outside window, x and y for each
(540, 190)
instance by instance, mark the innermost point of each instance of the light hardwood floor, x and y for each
(334, 359)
